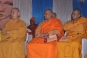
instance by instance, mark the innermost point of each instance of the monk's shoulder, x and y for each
(57, 20)
(69, 22)
(22, 22)
(82, 19)
(9, 22)
(42, 22)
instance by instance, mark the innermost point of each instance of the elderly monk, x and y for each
(13, 37)
(32, 26)
(54, 15)
(70, 45)
(37, 48)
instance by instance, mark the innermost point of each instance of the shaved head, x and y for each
(54, 15)
(48, 10)
(48, 14)
(16, 9)
(78, 10)
(76, 14)
(15, 13)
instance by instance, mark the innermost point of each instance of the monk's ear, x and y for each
(79, 15)
(18, 14)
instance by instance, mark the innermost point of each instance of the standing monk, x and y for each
(70, 45)
(32, 27)
(13, 37)
(50, 26)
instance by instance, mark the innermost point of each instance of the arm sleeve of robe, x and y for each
(18, 33)
(14, 34)
(3, 32)
(58, 29)
(38, 30)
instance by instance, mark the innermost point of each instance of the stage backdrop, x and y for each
(5, 10)
(63, 8)
(82, 6)
(29, 8)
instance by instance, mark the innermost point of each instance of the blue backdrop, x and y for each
(38, 7)
(82, 6)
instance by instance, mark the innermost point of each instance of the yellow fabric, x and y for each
(0, 36)
(12, 44)
(72, 47)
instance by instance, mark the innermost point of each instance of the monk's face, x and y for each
(32, 22)
(75, 15)
(48, 14)
(5, 8)
(14, 13)
(54, 16)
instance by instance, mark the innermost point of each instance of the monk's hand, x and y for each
(45, 35)
(71, 30)
(65, 38)
(7, 31)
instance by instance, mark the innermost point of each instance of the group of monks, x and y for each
(68, 46)
(13, 36)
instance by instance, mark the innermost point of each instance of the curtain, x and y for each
(38, 7)
(82, 6)
(63, 8)
(25, 7)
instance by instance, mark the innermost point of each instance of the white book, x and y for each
(52, 38)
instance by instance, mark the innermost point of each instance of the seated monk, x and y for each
(38, 47)
(69, 46)
(32, 26)
(13, 35)
(54, 15)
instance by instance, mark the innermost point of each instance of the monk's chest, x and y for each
(13, 26)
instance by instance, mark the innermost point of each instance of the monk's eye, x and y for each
(8, 3)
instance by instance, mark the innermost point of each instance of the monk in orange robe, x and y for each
(37, 48)
(32, 27)
(13, 36)
(69, 46)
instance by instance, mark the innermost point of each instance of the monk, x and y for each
(38, 48)
(54, 15)
(69, 46)
(32, 26)
(13, 36)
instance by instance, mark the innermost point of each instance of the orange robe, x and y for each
(12, 44)
(72, 47)
(37, 48)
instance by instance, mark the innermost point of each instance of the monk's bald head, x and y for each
(78, 10)
(48, 10)
(54, 15)
(76, 13)
(48, 14)
(15, 13)
(16, 9)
